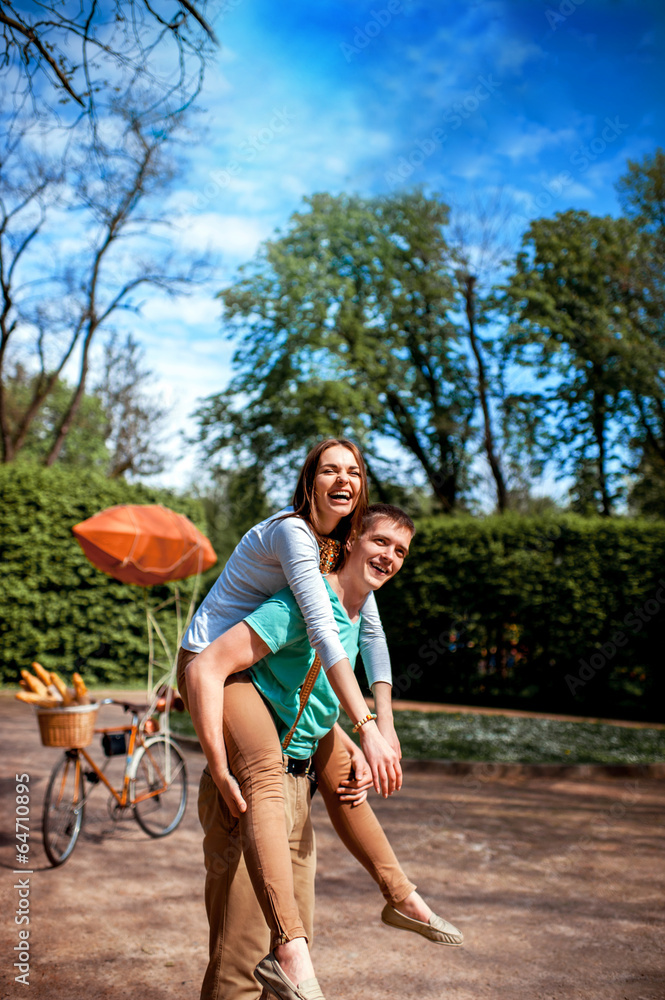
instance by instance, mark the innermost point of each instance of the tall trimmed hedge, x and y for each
(55, 606)
(561, 614)
(558, 613)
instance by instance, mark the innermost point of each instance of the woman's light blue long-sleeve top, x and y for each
(277, 553)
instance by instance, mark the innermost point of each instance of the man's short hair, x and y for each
(375, 511)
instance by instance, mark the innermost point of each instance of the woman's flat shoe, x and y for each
(272, 977)
(437, 929)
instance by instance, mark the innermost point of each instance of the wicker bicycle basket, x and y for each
(67, 727)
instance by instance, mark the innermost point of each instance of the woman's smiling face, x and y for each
(337, 486)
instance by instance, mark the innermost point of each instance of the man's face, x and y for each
(379, 553)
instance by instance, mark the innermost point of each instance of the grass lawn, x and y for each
(507, 739)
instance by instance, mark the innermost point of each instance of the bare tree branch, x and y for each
(115, 211)
(34, 39)
(89, 50)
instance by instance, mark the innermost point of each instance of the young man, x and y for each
(276, 632)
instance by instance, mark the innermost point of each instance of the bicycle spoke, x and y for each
(159, 803)
(64, 803)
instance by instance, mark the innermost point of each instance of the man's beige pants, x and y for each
(239, 935)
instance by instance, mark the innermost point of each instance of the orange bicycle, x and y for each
(154, 783)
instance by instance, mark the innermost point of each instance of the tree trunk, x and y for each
(6, 440)
(42, 391)
(73, 408)
(445, 486)
(468, 284)
(598, 418)
(5, 331)
(376, 482)
(443, 481)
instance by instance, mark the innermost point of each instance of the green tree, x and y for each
(116, 429)
(481, 241)
(642, 194)
(343, 327)
(85, 445)
(576, 302)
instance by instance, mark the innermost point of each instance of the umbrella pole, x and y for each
(153, 628)
(151, 645)
(195, 591)
(178, 618)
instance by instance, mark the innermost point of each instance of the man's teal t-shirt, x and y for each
(280, 675)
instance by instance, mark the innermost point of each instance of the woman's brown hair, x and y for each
(303, 497)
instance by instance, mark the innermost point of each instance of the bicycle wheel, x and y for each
(64, 805)
(158, 790)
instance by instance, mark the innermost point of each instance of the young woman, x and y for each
(329, 501)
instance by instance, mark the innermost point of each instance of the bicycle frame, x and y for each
(154, 785)
(122, 796)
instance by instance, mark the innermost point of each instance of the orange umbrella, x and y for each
(144, 544)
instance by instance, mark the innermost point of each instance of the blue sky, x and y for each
(543, 101)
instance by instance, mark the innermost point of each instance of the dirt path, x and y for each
(557, 884)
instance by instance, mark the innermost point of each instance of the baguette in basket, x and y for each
(66, 715)
(46, 689)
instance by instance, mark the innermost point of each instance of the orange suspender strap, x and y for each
(329, 552)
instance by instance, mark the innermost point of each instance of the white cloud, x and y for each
(235, 236)
(520, 196)
(579, 191)
(335, 164)
(184, 379)
(533, 139)
(513, 54)
(470, 168)
(194, 310)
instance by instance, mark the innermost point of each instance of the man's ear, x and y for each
(349, 543)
